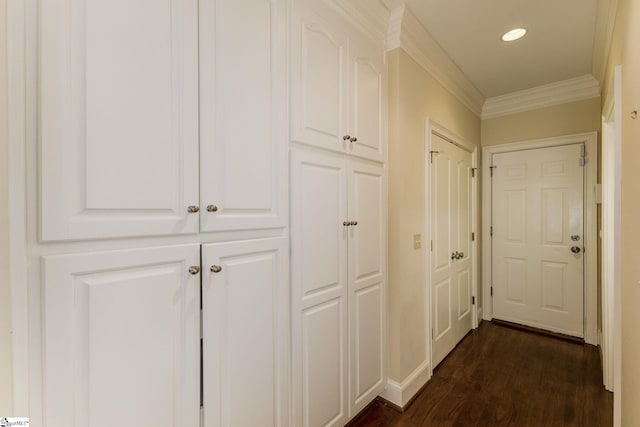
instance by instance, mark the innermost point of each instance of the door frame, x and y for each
(590, 140)
(432, 127)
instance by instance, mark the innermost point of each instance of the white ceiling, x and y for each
(558, 46)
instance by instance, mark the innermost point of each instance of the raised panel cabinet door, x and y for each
(245, 305)
(367, 277)
(319, 81)
(118, 118)
(243, 114)
(319, 233)
(121, 338)
(367, 100)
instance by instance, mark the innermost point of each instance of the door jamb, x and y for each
(432, 126)
(590, 140)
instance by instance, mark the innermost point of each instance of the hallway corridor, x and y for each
(500, 376)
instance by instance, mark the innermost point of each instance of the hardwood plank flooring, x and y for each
(501, 376)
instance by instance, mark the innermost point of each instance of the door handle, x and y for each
(575, 249)
(460, 255)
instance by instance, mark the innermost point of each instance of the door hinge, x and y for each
(473, 300)
(473, 172)
(491, 290)
(491, 231)
(431, 153)
(583, 156)
(491, 168)
(473, 237)
(432, 333)
(432, 246)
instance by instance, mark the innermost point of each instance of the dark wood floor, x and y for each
(500, 376)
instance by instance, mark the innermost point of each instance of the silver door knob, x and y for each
(354, 222)
(212, 208)
(346, 223)
(575, 249)
(193, 209)
(460, 255)
(353, 139)
(346, 137)
(216, 269)
(453, 255)
(194, 269)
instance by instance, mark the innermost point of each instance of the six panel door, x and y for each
(121, 338)
(243, 114)
(118, 111)
(245, 309)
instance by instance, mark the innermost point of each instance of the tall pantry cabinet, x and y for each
(159, 255)
(338, 216)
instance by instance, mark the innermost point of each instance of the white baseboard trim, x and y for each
(479, 315)
(401, 393)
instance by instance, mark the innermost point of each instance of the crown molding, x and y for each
(605, 22)
(562, 92)
(406, 32)
(372, 17)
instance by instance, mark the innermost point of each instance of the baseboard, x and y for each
(479, 315)
(401, 394)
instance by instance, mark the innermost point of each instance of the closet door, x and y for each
(367, 276)
(118, 122)
(244, 116)
(367, 99)
(319, 79)
(245, 306)
(319, 289)
(121, 338)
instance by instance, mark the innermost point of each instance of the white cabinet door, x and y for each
(118, 118)
(121, 338)
(319, 81)
(367, 100)
(243, 126)
(367, 275)
(245, 306)
(319, 289)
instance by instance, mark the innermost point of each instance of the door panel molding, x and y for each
(590, 140)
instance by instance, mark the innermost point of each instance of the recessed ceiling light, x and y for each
(514, 34)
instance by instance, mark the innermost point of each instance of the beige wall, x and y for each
(565, 119)
(5, 316)
(625, 52)
(413, 95)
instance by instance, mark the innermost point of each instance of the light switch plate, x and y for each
(417, 241)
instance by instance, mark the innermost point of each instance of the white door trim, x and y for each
(611, 250)
(590, 140)
(432, 126)
(20, 17)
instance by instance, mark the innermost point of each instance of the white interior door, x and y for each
(245, 331)
(122, 340)
(118, 128)
(367, 249)
(451, 257)
(537, 209)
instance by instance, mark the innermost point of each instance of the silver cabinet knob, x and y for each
(460, 255)
(353, 139)
(575, 249)
(346, 138)
(346, 223)
(193, 209)
(216, 269)
(354, 222)
(194, 269)
(453, 255)
(212, 208)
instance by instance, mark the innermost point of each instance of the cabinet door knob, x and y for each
(354, 222)
(460, 255)
(216, 269)
(353, 139)
(346, 137)
(194, 269)
(193, 209)
(346, 223)
(212, 208)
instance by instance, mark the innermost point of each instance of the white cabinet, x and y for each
(151, 116)
(122, 338)
(245, 306)
(338, 86)
(338, 232)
